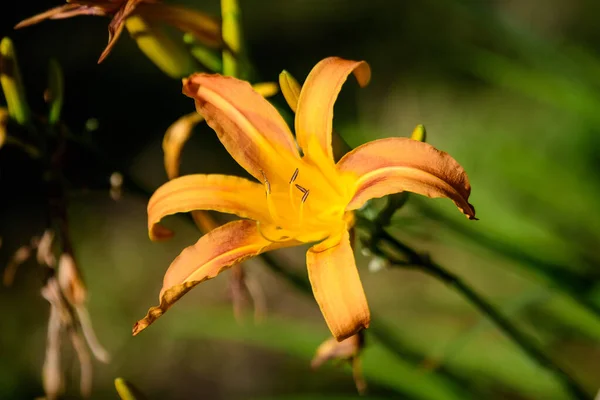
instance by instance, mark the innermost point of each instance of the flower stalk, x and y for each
(377, 239)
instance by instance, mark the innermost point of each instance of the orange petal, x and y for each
(249, 127)
(175, 138)
(337, 288)
(314, 116)
(214, 252)
(393, 165)
(223, 193)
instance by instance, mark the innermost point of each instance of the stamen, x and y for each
(294, 176)
(291, 189)
(305, 196)
(303, 190)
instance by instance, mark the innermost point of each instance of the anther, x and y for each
(294, 176)
(305, 192)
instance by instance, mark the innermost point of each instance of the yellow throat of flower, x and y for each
(309, 206)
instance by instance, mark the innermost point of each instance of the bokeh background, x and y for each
(510, 88)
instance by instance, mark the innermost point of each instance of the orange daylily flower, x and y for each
(306, 198)
(203, 27)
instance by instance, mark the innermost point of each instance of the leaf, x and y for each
(232, 36)
(12, 85)
(168, 55)
(55, 92)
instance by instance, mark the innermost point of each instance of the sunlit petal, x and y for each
(337, 288)
(249, 127)
(393, 165)
(314, 116)
(175, 138)
(213, 253)
(223, 193)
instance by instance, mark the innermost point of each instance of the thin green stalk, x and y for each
(422, 262)
(378, 328)
(555, 276)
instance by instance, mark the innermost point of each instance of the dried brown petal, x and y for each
(21, 255)
(51, 371)
(44, 249)
(347, 350)
(70, 281)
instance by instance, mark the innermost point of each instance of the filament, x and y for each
(305, 193)
(270, 204)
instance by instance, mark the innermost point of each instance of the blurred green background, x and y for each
(510, 88)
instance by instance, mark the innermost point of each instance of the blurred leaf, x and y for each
(205, 56)
(168, 55)
(127, 391)
(55, 93)
(232, 36)
(561, 91)
(4, 117)
(318, 396)
(12, 84)
(300, 340)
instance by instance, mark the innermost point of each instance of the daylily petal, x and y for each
(214, 252)
(179, 132)
(337, 288)
(393, 165)
(175, 138)
(314, 116)
(249, 127)
(223, 193)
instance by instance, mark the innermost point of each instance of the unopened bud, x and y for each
(347, 350)
(419, 133)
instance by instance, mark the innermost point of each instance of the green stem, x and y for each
(422, 262)
(556, 276)
(378, 328)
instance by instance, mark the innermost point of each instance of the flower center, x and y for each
(306, 208)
